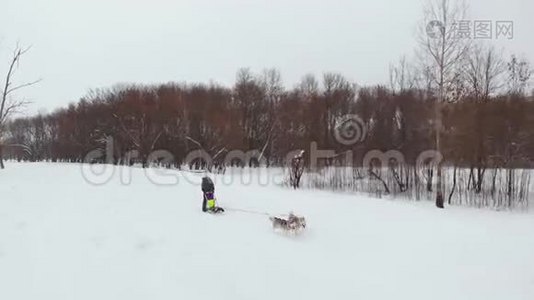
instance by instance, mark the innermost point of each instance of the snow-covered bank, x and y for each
(63, 238)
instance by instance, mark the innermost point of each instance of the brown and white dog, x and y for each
(293, 224)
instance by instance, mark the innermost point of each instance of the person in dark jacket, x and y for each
(209, 201)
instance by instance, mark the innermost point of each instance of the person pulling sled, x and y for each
(209, 201)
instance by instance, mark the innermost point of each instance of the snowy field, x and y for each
(63, 238)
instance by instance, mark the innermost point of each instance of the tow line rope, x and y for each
(247, 211)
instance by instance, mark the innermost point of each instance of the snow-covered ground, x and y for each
(63, 238)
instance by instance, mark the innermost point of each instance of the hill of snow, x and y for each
(63, 238)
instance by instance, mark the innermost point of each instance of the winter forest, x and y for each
(487, 132)
(477, 95)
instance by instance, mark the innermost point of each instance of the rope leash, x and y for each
(254, 212)
(248, 211)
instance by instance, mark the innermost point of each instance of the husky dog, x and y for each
(293, 224)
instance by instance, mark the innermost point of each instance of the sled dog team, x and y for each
(293, 224)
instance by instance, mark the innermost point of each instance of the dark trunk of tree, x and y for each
(480, 178)
(453, 183)
(439, 189)
(493, 185)
(471, 175)
(510, 189)
(430, 179)
(386, 188)
(1, 157)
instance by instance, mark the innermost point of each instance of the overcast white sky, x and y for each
(79, 45)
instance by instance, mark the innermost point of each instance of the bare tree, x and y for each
(482, 72)
(250, 99)
(308, 86)
(8, 103)
(442, 52)
(271, 82)
(296, 170)
(401, 76)
(519, 73)
(337, 97)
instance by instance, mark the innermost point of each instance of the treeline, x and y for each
(258, 113)
(487, 137)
